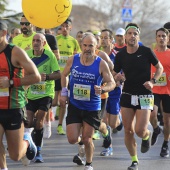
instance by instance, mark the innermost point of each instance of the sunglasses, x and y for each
(25, 23)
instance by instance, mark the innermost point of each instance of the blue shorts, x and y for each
(113, 106)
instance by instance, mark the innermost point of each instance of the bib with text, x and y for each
(162, 81)
(81, 92)
(4, 92)
(146, 101)
(38, 88)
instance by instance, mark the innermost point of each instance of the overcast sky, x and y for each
(16, 4)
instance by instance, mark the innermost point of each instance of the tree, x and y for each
(149, 15)
(11, 20)
(3, 4)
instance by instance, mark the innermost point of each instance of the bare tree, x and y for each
(148, 14)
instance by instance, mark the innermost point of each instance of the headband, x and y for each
(136, 28)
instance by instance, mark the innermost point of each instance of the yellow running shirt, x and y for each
(26, 42)
(67, 46)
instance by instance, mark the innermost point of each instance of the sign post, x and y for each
(127, 11)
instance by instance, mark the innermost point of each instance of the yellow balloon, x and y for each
(46, 13)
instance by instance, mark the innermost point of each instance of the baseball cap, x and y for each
(96, 32)
(3, 25)
(120, 31)
(167, 26)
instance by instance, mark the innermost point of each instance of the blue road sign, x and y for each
(127, 14)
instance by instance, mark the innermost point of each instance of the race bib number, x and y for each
(81, 92)
(162, 80)
(38, 88)
(62, 61)
(146, 101)
(4, 92)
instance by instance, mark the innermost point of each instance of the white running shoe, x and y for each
(25, 161)
(88, 167)
(28, 130)
(47, 130)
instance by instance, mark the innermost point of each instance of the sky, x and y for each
(17, 4)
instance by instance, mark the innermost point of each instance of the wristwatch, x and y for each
(153, 80)
(103, 91)
(47, 77)
(11, 83)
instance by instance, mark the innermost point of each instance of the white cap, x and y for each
(120, 31)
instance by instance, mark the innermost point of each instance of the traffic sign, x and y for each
(127, 4)
(127, 14)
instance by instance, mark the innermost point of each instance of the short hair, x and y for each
(164, 30)
(167, 26)
(79, 32)
(40, 30)
(59, 28)
(132, 25)
(68, 20)
(110, 33)
(89, 31)
(86, 34)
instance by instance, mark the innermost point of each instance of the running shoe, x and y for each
(25, 161)
(120, 126)
(146, 144)
(32, 149)
(96, 135)
(114, 130)
(47, 130)
(107, 152)
(38, 158)
(88, 167)
(60, 130)
(133, 166)
(78, 160)
(108, 139)
(155, 136)
(164, 152)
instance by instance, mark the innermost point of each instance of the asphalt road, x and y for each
(58, 155)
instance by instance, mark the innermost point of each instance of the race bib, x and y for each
(38, 88)
(81, 92)
(162, 80)
(4, 92)
(146, 101)
(62, 61)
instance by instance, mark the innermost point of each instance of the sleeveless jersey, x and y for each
(82, 81)
(10, 98)
(67, 47)
(46, 63)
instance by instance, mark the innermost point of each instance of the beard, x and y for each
(25, 31)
